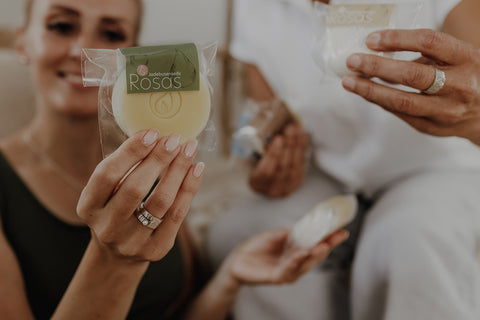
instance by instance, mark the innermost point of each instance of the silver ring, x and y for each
(147, 219)
(438, 83)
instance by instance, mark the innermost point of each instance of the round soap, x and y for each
(183, 112)
(324, 219)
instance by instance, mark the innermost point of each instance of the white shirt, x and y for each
(358, 143)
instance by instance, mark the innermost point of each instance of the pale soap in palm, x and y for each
(322, 220)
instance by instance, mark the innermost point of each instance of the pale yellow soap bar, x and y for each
(185, 113)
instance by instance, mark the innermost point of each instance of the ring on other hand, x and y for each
(146, 218)
(438, 83)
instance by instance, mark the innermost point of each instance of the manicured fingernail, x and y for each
(354, 61)
(348, 83)
(373, 40)
(199, 168)
(190, 148)
(150, 137)
(173, 142)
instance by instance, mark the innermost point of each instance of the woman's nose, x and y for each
(82, 41)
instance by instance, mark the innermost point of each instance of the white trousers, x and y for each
(417, 253)
(415, 258)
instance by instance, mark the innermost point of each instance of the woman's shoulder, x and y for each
(13, 152)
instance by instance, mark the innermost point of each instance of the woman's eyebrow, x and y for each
(66, 10)
(114, 21)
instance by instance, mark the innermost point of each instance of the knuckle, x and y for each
(178, 214)
(429, 39)
(133, 150)
(405, 104)
(415, 76)
(132, 193)
(371, 65)
(190, 189)
(105, 175)
(453, 115)
(468, 90)
(163, 201)
(368, 92)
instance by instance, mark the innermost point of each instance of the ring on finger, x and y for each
(438, 83)
(146, 218)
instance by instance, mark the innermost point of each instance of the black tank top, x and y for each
(50, 250)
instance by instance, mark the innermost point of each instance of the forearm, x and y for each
(103, 287)
(216, 300)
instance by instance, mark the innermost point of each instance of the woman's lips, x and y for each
(73, 79)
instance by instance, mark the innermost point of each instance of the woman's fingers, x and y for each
(321, 251)
(290, 266)
(139, 182)
(433, 44)
(166, 192)
(267, 165)
(111, 170)
(164, 236)
(411, 74)
(391, 99)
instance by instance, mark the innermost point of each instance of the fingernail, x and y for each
(354, 61)
(373, 40)
(348, 83)
(190, 148)
(199, 168)
(173, 142)
(150, 137)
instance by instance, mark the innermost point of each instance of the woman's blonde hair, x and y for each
(28, 11)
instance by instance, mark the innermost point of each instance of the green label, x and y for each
(162, 68)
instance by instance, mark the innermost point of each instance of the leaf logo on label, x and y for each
(165, 105)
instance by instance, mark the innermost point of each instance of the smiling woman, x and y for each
(86, 238)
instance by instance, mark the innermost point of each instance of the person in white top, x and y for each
(416, 254)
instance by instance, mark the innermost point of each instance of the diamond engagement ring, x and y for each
(438, 83)
(147, 219)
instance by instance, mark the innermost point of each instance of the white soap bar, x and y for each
(347, 29)
(324, 219)
(345, 41)
(184, 112)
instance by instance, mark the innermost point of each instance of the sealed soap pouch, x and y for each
(167, 88)
(342, 27)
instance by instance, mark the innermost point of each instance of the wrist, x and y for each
(226, 282)
(100, 255)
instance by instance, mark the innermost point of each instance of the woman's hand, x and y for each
(452, 111)
(281, 170)
(266, 258)
(119, 184)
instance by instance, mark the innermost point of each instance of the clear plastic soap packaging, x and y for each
(342, 27)
(164, 87)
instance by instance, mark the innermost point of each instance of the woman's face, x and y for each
(54, 36)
